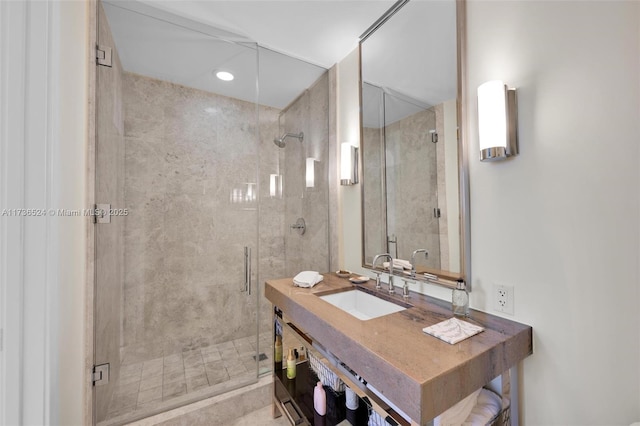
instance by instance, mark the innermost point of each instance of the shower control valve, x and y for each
(299, 226)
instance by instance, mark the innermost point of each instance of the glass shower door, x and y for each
(176, 298)
(302, 148)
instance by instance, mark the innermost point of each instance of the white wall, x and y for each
(348, 129)
(560, 222)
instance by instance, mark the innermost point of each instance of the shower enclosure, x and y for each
(184, 168)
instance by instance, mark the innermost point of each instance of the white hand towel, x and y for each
(459, 412)
(307, 279)
(487, 407)
(398, 264)
(402, 263)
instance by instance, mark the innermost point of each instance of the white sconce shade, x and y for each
(275, 185)
(311, 172)
(348, 164)
(250, 194)
(497, 121)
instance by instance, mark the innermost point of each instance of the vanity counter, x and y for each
(419, 373)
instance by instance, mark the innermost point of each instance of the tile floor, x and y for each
(147, 381)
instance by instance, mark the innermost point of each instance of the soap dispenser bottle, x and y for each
(460, 300)
(277, 349)
(291, 365)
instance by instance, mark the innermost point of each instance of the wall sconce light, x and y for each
(275, 185)
(311, 172)
(348, 164)
(497, 121)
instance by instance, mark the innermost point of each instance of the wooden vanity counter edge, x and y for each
(421, 374)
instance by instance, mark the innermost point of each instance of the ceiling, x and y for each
(321, 32)
(186, 41)
(414, 52)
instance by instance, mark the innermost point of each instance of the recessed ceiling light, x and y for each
(224, 75)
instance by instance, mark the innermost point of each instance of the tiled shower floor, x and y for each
(148, 382)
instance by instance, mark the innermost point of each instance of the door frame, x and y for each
(30, 164)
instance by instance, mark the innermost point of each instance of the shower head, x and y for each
(280, 143)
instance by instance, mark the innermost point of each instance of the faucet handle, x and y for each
(378, 285)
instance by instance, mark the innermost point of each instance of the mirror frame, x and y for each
(446, 278)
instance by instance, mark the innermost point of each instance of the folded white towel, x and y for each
(489, 404)
(307, 279)
(398, 264)
(459, 412)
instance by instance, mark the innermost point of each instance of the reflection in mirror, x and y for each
(410, 148)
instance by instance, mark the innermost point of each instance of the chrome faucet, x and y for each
(391, 288)
(375, 259)
(413, 260)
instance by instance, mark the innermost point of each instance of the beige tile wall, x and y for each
(412, 179)
(309, 114)
(374, 199)
(186, 151)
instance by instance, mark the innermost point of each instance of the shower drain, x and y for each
(261, 357)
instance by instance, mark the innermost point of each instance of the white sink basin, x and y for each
(362, 305)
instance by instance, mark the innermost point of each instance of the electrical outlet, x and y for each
(503, 298)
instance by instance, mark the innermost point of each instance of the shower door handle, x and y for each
(247, 270)
(249, 274)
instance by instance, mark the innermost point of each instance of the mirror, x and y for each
(414, 190)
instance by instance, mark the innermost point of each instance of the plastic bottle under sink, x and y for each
(320, 399)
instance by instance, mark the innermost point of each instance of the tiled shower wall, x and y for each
(186, 152)
(309, 113)
(412, 177)
(374, 201)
